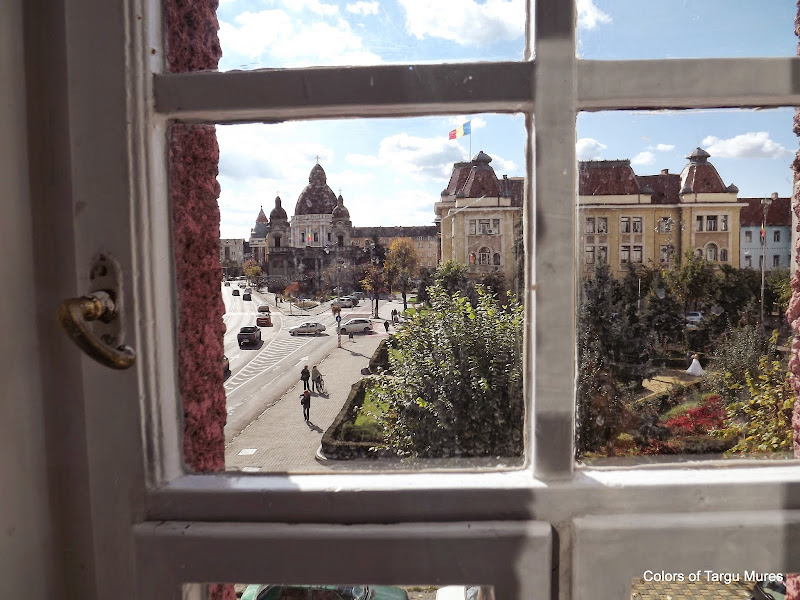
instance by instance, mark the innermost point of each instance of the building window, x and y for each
(497, 259)
(588, 255)
(602, 224)
(496, 226)
(711, 252)
(484, 256)
(472, 226)
(302, 238)
(711, 223)
(776, 260)
(699, 224)
(748, 261)
(625, 254)
(665, 225)
(637, 254)
(602, 255)
(776, 236)
(340, 240)
(723, 223)
(472, 258)
(483, 226)
(624, 224)
(748, 236)
(277, 239)
(589, 226)
(637, 224)
(723, 255)
(329, 238)
(316, 237)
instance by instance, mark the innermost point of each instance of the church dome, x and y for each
(317, 198)
(278, 212)
(340, 212)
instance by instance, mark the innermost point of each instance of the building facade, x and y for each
(479, 218)
(776, 244)
(654, 220)
(231, 253)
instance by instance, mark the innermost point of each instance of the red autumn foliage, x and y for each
(708, 415)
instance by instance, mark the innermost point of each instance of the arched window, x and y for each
(277, 241)
(496, 258)
(711, 252)
(485, 256)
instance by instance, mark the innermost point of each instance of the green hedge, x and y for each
(341, 440)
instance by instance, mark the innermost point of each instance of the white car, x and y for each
(344, 302)
(356, 326)
(314, 328)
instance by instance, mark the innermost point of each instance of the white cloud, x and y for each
(363, 8)
(314, 6)
(421, 157)
(665, 147)
(276, 39)
(469, 24)
(403, 207)
(475, 122)
(755, 144)
(589, 149)
(589, 16)
(644, 158)
(502, 166)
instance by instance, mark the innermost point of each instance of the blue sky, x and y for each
(391, 171)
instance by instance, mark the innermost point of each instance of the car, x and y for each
(242, 285)
(356, 326)
(694, 317)
(235, 292)
(359, 296)
(263, 308)
(249, 335)
(226, 365)
(246, 296)
(323, 592)
(309, 327)
(344, 302)
(227, 284)
(264, 321)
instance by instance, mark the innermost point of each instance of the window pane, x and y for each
(628, 29)
(417, 223)
(678, 305)
(287, 33)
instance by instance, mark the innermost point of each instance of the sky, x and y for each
(392, 171)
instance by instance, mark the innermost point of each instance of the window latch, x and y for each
(94, 321)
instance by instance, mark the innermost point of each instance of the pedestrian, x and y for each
(386, 326)
(316, 379)
(304, 376)
(305, 402)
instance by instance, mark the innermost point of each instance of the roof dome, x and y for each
(278, 212)
(340, 212)
(317, 198)
(482, 157)
(698, 156)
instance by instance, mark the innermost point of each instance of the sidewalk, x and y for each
(279, 440)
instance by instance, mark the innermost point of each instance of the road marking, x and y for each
(247, 451)
(301, 361)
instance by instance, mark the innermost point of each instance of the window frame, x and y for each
(182, 521)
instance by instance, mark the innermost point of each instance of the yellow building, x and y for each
(479, 215)
(653, 220)
(424, 237)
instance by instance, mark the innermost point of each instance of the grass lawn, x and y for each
(370, 406)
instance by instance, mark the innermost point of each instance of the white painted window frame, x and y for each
(502, 527)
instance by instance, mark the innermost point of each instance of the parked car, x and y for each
(359, 296)
(694, 317)
(242, 285)
(235, 292)
(249, 335)
(263, 308)
(309, 327)
(227, 284)
(323, 592)
(264, 321)
(247, 296)
(226, 365)
(344, 302)
(356, 326)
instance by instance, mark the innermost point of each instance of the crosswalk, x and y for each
(270, 355)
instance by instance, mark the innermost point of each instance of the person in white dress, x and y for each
(695, 368)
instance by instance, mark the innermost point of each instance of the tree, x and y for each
(661, 313)
(401, 265)
(777, 291)
(692, 282)
(251, 269)
(372, 283)
(452, 277)
(456, 383)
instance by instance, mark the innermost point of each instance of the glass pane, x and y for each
(629, 29)
(263, 591)
(291, 33)
(393, 300)
(682, 339)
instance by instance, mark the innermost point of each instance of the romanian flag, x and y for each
(763, 233)
(465, 129)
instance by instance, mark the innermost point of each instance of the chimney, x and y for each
(665, 171)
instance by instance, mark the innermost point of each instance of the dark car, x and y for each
(264, 321)
(263, 308)
(323, 592)
(249, 335)
(246, 296)
(235, 292)
(227, 284)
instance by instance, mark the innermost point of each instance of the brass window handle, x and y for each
(74, 315)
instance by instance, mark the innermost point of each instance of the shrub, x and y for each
(699, 420)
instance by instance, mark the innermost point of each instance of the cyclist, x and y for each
(316, 380)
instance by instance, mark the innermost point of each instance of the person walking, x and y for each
(316, 379)
(304, 377)
(305, 401)
(386, 326)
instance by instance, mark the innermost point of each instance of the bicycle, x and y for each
(319, 383)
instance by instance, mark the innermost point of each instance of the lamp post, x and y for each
(765, 204)
(369, 246)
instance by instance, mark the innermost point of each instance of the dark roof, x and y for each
(607, 178)
(516, 189)
(665, 187)
(317, 198)
(409, 231)
(779, 213)
(261, 218)
(339, 211)
(278, 212)
(701, 177)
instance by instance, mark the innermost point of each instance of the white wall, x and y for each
(28, 564)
